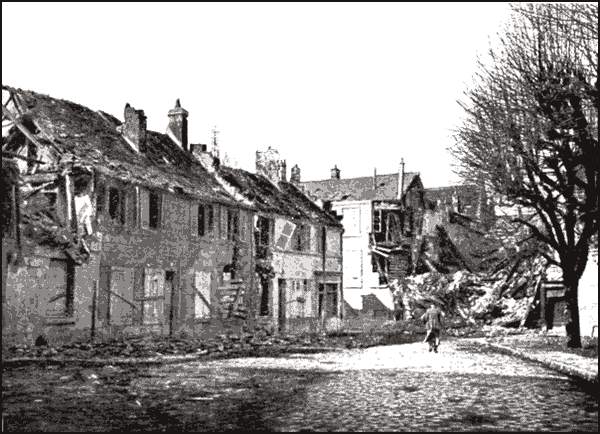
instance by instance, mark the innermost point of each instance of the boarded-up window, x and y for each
(194, 223)
(153, 303)
(223, 224)
(202, 282)
(285, 235)
(300, 300)
(60, 284)
(243, 225)
(121, 287)
(154, 283)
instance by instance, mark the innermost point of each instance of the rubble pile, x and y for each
(504, 297)
(258, 343)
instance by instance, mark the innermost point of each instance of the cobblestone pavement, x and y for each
(399, 387)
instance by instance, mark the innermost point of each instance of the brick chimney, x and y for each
(295, 175)
(401, 179)
(269, 165)
(177, 129)
(134, 128)
(335, 172)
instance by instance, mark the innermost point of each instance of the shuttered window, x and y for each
(202, 282)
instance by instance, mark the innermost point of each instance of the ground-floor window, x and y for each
(154, 296)
(328, 299)
(264, 297)
(202, 283)
(60, 278)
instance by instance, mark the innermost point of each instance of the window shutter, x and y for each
(194, 219)
(103, 295)
(210, 219)
(224, 215)
(154, 282)
(202, 283)
(145, 208)
(242, 225)
(286, 235)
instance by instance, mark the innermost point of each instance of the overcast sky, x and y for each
(359, 85)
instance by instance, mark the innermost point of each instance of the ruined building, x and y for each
(297, 245)
(382, 218)
(116, 229)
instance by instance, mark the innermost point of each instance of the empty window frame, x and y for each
(301, 239)
(117, 205)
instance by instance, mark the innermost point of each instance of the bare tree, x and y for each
(531, 132)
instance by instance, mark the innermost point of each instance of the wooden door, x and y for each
(281, 316)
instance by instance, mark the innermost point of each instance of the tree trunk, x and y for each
(572, 310)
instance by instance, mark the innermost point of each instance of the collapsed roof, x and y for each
(283, 198)
(77, 133)
(386, 187)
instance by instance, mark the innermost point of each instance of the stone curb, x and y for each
(569, 370)
(162, 360)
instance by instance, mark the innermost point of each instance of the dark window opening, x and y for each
(154, 204)
(201, 228)
(301, 241)
(264, 297)
(321, 239)
(100, 198)
(233, 224)
(210, 218)
(116, 205)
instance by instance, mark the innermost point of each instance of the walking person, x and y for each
(433, 316)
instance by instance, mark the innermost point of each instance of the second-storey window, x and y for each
(151, 209)
(116, 205)
(301, 239)
(233, 224)
(202, 219)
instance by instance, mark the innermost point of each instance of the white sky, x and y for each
(359, 85)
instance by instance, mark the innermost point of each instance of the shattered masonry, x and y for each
(117, 230)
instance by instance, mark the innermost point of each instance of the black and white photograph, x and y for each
(300, 216)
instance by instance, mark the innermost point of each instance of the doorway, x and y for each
(328, 300)
(281, 314)
(170, 289)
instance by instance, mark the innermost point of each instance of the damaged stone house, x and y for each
(382, 218)
(297, 245)
(116, 228)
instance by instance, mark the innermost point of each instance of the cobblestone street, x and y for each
(398, 387)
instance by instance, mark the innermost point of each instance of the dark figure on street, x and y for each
(433, 316)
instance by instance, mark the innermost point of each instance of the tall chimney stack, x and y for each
(134, 128)
(374, 178)
(401, 179)
(335, 172)
(295, 175)
(178, 125)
